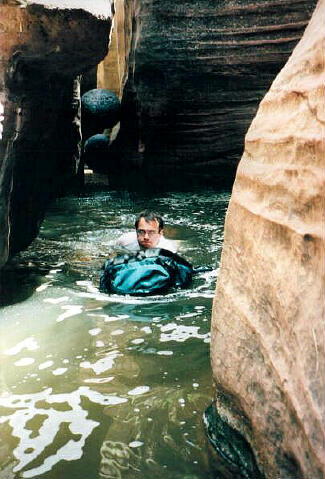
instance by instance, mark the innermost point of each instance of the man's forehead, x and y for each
(153, 224)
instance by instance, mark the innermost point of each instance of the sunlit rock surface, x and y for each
(44, 45)
(268, 315)
(112, 72)
(197, 72)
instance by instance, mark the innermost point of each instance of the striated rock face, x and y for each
(198, 70)
(44, 45)
(267, 346)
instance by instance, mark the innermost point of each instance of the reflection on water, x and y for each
(107, 386)
(37, 419)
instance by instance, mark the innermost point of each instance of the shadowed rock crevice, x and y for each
(230, 445)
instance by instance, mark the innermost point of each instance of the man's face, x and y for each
(148, 233)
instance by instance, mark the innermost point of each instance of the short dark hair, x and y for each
(149, 215)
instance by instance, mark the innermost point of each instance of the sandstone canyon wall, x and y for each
(192, 75)
(267, 344)
(112, 72)
(197, 72)
(45, 45)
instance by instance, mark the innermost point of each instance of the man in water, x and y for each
(149, 233)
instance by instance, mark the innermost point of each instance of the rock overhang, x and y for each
(99, 8)
(45, 46)
(52, 38)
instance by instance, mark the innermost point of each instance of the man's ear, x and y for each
(161, 231)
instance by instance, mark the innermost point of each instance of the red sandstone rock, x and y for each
(267, 344)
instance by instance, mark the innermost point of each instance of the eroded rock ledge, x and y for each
(267, 349)
(45, 45)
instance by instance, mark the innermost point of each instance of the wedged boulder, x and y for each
(100, 110)
(45, 46)
(96, 152)
(267, 344)
(197, 72)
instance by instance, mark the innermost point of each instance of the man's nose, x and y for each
(146, 234)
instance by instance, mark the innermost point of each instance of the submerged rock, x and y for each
(267, 333)
(230, 445)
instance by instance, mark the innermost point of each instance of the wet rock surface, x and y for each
(197, 73)
(230, 446)
(267, 342)
(45, 46)
(96, 152)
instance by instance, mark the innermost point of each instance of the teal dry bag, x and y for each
(152, 271)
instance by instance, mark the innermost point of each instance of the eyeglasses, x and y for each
(150, 233)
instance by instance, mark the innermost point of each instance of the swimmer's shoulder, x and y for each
(170, 245)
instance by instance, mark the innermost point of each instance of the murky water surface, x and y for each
(98, 386)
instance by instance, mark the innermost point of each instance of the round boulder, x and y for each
(100, 109)
(96, 151)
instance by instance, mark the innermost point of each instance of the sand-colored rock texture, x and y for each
(267, 344)
(45, 45)
(112, 72)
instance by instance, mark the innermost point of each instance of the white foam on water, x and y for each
(181, 333)
(71, 310)
(139, 390)
(56, 300)
(102, 364)
(24, 362)
(117, 332)
(29, 343)
(95, 331)
(146, 329)
(187, 315)
(99, 380)
(45, 365)
(111, 319)
(137, 341)
(135, 444)
(25, 407)
(59, 371)
(98, 296)
(43, 286)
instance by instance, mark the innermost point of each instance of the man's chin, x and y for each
(147, 245)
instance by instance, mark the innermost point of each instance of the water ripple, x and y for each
(24, 409)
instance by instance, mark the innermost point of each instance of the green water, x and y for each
(97, 386)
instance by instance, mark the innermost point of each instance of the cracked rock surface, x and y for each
(267, 345)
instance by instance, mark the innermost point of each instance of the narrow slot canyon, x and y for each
(213, 116)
